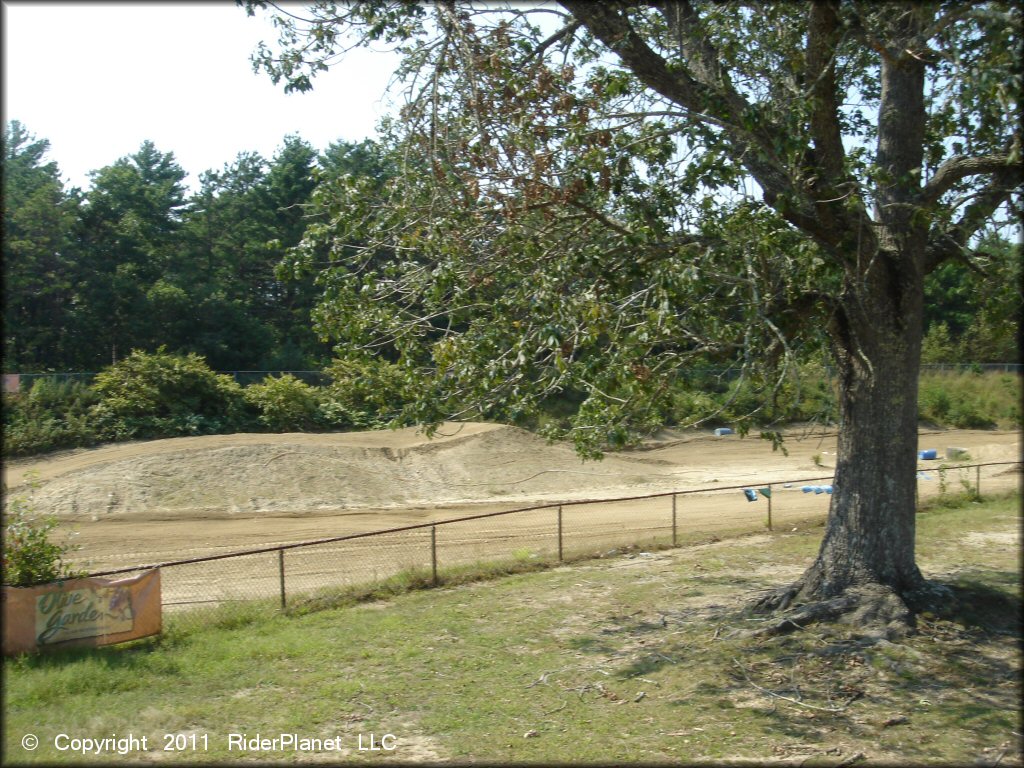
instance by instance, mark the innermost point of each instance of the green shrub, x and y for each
(971, 400)
(30, 556)
(162, 395)
(364, 393)
(58, 397)
(51, 415)
(26, 437)
(933, 400)
(285, 404)
(688, 407)
(743, 398)
(812, 394)
(805, 393)
(970, 413)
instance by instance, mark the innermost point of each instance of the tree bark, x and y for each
(870, 532)
(865, 571)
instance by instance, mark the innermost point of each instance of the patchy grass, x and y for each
(635, 658)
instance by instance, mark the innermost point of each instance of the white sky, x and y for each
(98, 79)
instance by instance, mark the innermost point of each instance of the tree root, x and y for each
(873, 609)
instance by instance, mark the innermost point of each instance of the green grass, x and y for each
(971, 400)
(634, 658)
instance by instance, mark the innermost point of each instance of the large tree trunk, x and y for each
(866, 567)
(870, 532)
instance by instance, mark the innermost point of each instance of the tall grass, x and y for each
(969, 400)
(953, 400)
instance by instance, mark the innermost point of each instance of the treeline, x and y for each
(138, 262)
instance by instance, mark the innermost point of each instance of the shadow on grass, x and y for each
(986, 601)
(959, 670)
(960, 667)
(124, 656)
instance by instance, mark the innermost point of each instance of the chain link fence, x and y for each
(23, 381)
(292, 574)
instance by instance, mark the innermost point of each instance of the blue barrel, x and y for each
(722, 431)
(928, 455)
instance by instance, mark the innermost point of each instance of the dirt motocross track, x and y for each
(161, 500)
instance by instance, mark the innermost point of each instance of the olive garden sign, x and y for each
(89, 611)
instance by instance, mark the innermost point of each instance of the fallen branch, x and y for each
(542, 680)
(856, 758)
(559, 709)
(786, 698)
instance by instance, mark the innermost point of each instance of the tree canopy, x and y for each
(591, 196)
(39, 238)
(137, 261)
(572, 178)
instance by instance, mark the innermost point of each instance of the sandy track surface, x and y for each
(161, 500)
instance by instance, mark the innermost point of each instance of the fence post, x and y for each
(433, 553)
(675, 538)
(280, 568)
(977, 479)
(770, 494)
(559, 532)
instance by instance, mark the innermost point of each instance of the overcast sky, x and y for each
(98, 79)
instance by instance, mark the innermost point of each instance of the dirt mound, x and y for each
(254, 475)
(257, 476)
(162, 500)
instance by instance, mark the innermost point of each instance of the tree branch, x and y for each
(828, 159)
(697, 49)
(945, 20)
(823, 36)
(598, 216)
(567, 31)
(960, 167)
(951, 242)
(719, 101)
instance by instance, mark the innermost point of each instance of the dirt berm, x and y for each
(256, 475)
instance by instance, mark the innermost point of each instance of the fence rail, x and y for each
(556, 529)
(987, 367)
(322, 377)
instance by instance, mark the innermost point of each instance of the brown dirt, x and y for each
(159, 500)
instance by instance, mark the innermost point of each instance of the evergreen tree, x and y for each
(130, 223)
(227, 226)
(39, 250)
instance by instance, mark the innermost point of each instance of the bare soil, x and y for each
(147, 502)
